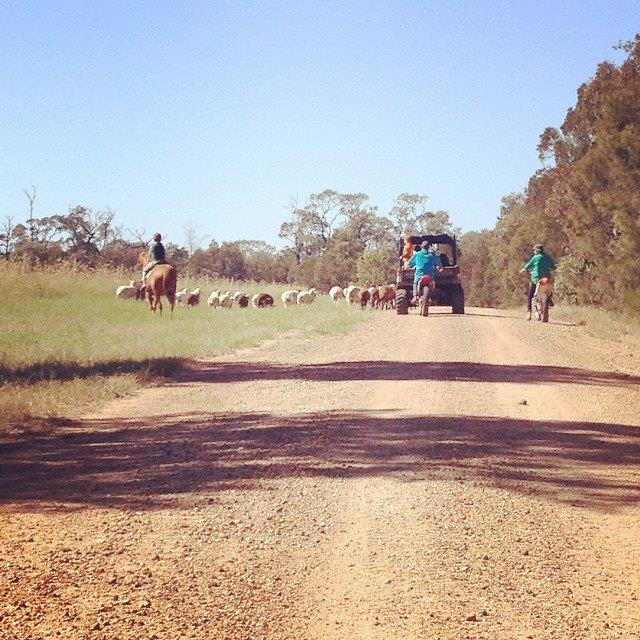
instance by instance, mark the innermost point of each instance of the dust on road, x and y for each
(447, 477)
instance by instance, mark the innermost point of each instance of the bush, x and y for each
(376, 267)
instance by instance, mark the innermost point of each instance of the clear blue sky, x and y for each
(221, 112)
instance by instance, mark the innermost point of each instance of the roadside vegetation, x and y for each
(66, 343)
(615, 326)
(582, 204)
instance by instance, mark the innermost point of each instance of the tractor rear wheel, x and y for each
(457, 301)
(402, 302)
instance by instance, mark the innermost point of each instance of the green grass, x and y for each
(67, 344)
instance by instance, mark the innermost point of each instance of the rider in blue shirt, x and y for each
(425, 263)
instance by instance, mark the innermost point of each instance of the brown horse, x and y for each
(162, 281)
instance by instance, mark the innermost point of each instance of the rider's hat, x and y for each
(538, 248)
(424, 245)
(157, 237)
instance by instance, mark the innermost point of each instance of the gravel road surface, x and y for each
(441, 478)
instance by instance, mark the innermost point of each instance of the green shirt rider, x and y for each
(157, 255)
(539, 266)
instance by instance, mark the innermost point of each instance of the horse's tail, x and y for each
(171, 282)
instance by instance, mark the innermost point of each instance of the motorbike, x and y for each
(425, 290)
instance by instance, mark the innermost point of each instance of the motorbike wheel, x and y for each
(543, 311)
(424, 305)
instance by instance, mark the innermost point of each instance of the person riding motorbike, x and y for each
(425, 263)
(157, 255)
(540, 265)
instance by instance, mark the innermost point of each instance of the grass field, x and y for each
(67, 344)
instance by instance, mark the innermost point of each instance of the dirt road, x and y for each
(442, 478)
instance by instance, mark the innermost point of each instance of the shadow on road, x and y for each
(155, 464)
(217, 372)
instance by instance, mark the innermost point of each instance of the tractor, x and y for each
(445, 291)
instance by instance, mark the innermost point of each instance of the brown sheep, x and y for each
(364, 299)
(242, 301)
(261, 300)
(193, 299)
(375, 299)
(387, 296)
(140, 291)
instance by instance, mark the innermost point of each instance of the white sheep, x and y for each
(289, 297)
(306, 297)
(226, 300)
(214, 299)
(335, 293)
(181, 297)
(127, 291)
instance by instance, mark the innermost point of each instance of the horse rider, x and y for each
(540, 265)
(157, 255)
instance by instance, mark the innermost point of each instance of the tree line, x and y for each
(583, 204)
(331, 238)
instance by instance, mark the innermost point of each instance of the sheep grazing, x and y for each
(335, 293)
(290, 297)
(237, 295)
(261, 300)
(226, 300)
(374, 298)
(127, 291)
(141, 291)
(364, 298)
(213, 301)
(181, 297)
(387, 296)
(242, 301)
(193, 299)
(353, 294)
(306, 297)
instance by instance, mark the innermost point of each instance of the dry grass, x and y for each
(66, 343)
(600, 323)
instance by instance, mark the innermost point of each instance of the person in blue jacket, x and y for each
(425, 263)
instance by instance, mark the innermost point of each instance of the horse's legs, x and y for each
(160, 304)
(171, 299)
(152, 306)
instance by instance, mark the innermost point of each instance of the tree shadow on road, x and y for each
(220, 371)
(170, 462)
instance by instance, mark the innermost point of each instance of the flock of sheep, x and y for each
(382, 297)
